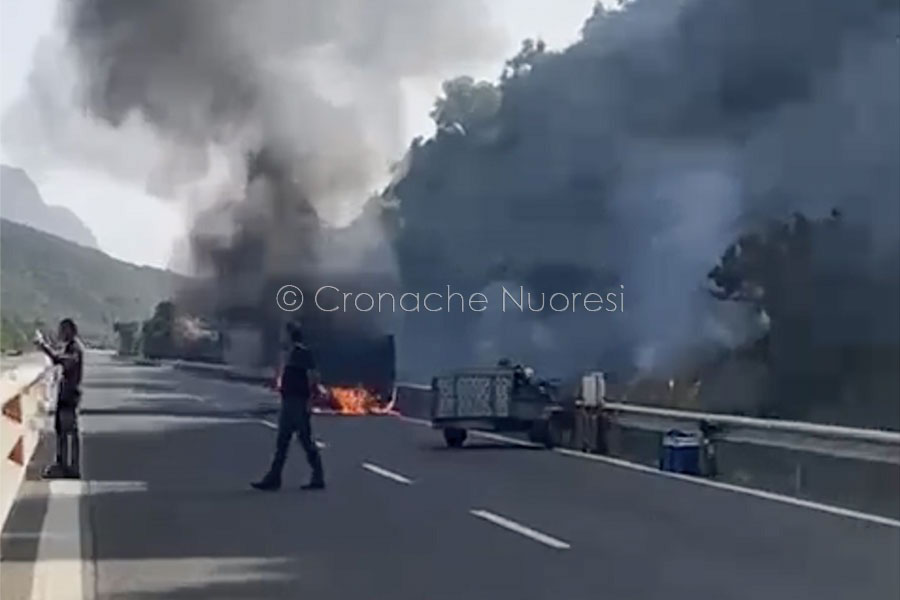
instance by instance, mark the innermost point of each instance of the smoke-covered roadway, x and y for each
(166, 513)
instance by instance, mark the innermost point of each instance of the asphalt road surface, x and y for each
(165, 511)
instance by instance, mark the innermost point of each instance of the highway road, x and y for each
(165, 511)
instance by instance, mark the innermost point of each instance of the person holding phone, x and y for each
(70, 357)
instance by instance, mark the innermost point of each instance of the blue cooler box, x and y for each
(680, 453)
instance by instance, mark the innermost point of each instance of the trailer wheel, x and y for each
(557, 428)
(454, 437)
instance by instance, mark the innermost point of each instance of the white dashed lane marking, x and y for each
(528, 532)
(385, 473)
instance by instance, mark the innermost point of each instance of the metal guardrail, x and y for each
(24, 399)
(414, 386)
(834, 440)
(225, 371)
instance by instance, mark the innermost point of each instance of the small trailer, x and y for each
(493, 399)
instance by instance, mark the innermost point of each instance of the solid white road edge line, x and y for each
(385, 473)
(58, 565)
(772, 496)
(415, 420)
(319, 444)
(537, 536)
(799, 502)
(33, 535)
(502, 438)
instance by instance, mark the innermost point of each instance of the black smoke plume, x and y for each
(298, 104)
(636, 157)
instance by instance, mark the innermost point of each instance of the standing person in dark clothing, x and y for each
(298, 381)
(71, 358)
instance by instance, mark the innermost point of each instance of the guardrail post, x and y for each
(710, 466)
(602, 428)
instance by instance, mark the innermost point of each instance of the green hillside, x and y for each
(44, 278)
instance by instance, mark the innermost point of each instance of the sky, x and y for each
(131, 225)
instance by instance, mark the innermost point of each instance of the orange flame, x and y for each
(357, 401)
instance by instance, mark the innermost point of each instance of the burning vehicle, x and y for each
(357, 367)
(357, 373)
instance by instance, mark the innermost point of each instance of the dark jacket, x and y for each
(295, 375)
(72, 361)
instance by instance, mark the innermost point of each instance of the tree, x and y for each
(832, 317)
(772, 269)
(13, 334)
(465, 104)
(523, 62)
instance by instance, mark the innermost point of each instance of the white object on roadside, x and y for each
(593, 388)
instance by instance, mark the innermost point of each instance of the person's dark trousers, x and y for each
(295, 418)
(68, 442)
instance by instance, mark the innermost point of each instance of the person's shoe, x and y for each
(73, 474)
(54, 471)
(267, 484)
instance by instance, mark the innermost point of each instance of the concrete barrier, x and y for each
(25, 393)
